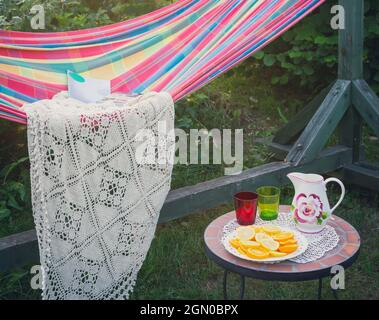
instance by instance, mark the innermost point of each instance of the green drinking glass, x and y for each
(268, 202)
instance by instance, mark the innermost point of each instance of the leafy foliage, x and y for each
(61, 15)
(14, 174)
(308, 53)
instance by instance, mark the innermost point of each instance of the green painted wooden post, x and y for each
(350, 133)
(350, 64)
(350, 68)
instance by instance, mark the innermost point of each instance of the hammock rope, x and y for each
(178, 48)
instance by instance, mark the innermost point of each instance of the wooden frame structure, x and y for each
(342, 106)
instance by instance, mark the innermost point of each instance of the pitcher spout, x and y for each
(297, 177)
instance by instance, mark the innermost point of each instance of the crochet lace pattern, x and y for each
(95, 204)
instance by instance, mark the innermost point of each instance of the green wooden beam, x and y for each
(22, 248)
(350, 63)
(366, 176)
(18, 250)
(322, 125)
(350, 133)
(289, 132)
(366, 103)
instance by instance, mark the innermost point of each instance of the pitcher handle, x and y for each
(342, 191)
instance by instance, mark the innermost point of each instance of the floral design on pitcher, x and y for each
(309, 209)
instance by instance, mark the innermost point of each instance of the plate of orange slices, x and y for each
(265, 243)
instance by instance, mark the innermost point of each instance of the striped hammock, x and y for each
(178, 48)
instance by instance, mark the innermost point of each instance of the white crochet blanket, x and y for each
(95, 204)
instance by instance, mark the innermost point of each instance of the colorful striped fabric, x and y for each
(178, 48)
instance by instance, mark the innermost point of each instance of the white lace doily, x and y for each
(318, 243)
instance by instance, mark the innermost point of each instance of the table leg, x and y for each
(319, 293)
(242, 286)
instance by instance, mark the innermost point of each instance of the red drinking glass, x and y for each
(245, 204)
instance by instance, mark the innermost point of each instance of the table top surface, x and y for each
(343, 254)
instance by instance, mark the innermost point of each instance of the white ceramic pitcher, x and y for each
(310, 206)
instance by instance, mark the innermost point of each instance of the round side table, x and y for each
(344, 254)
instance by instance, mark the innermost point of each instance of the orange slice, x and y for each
(242, 251)
(288, 248)
(277, 254)
(257, 254)
(235, 243)
(290, 241)
(250, 244)
(283, 236)
(271, 229)
(260, 236)
(270, 244)
(245, 233)
(257, 228)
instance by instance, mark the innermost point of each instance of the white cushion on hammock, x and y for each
(86, 89)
